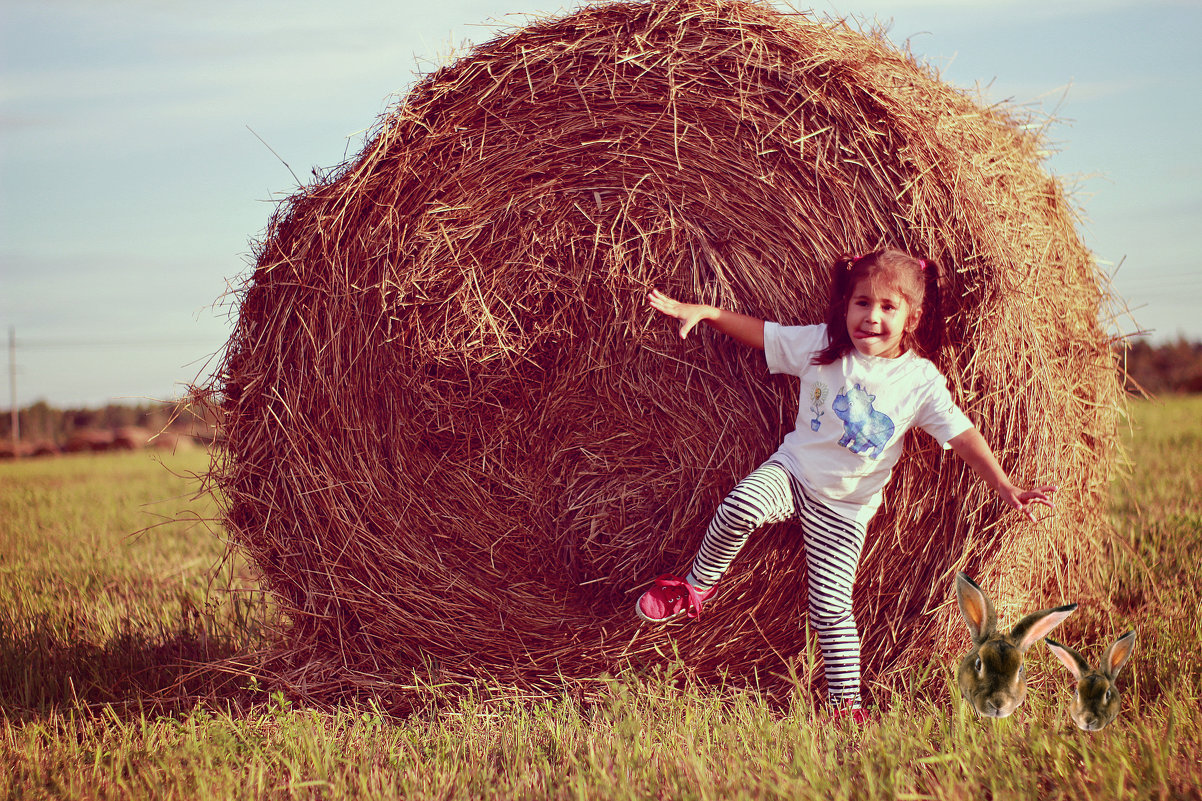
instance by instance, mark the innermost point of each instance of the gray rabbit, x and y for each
(992, 676)
(1096, 700)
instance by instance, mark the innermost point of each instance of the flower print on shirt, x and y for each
(818, 397)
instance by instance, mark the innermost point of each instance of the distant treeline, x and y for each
(44, 429)
(43, 421)
(1170, 368)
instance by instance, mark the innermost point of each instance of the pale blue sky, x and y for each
(131, 184)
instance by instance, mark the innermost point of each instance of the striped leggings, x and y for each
(832, 547)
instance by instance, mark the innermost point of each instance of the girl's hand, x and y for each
(976, 453)
(1022, 500)
(689, 314)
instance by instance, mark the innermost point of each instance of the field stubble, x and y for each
(108, 642)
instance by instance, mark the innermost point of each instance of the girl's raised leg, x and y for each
(764, 496)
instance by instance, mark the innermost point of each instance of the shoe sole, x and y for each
(639, 612)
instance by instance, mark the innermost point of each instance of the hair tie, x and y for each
(923, 264)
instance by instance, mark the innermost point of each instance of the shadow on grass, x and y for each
(137, 671)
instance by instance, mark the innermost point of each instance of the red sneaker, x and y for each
(671, 597)
(855, 715)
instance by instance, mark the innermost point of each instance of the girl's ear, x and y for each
(913, 319)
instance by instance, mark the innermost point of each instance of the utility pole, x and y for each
(12, 386)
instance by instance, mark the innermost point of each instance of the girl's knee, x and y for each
(737, 513)
(829, 619)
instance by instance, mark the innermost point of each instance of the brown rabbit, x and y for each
(992, 676)
(1096, 701)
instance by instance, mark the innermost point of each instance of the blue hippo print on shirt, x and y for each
(864, 428)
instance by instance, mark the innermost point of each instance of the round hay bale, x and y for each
(83, 440)
(458, 440)
(131, 438)
(172, 441)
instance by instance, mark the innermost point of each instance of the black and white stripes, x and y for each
(833, 544)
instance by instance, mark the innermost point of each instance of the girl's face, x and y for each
(877, 317)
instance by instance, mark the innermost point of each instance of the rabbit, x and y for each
(992, 676)
(1096, 700)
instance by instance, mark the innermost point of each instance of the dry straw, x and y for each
(459, 444)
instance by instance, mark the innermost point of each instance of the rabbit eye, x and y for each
(978, 665)
(1021, 670)
(1108, 694)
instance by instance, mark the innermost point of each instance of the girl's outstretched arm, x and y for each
(976, 453)
(740, 327)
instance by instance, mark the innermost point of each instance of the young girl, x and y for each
(830, 472)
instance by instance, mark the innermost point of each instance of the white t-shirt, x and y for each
(853, 415)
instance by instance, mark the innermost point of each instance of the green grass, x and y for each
(110, 581)
(98, 699)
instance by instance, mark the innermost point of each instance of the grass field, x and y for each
(101, 632)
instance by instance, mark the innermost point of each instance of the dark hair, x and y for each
(917, 280)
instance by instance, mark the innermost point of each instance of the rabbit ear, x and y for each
(1072, 660)
(976, 608)
(1037, 625)
(1117, 654)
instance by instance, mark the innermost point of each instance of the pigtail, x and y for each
(838, 341)
(841, 271)
(932, 329)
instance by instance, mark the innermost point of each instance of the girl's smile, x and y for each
(877, 318)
